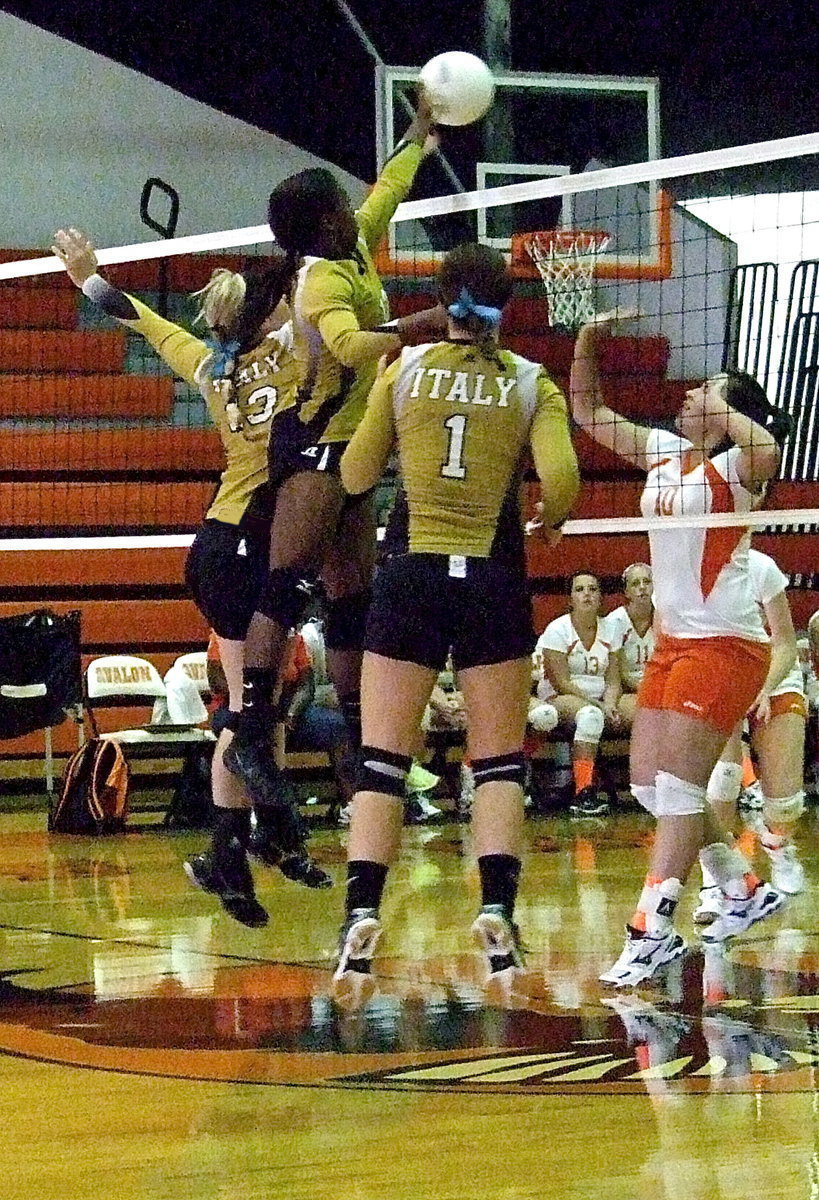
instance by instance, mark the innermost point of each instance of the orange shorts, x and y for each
(714, 679)
(785, 702)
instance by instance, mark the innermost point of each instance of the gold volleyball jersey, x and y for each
(462, 421)
(337, 305)
(264, 377)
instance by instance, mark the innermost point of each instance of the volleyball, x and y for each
(459, 87)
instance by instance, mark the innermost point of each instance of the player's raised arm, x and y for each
(397, 176)
(183, 352)
(554, 454)
(589, 409)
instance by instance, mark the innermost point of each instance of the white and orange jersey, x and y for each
(767, 582)
(635, 650)
(701, 582)
(587, 667)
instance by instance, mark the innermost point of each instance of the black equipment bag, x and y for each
(40, 670)
(93, 797)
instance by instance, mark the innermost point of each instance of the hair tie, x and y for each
(465, 306)
(224, 356)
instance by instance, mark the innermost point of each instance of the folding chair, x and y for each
(123, 681)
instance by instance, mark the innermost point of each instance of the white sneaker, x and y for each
(738, 915)
(709, 907)
(787, 872)
(356, 943)
(642, 957)
(751, 796)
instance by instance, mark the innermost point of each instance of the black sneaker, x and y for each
(356, 942)
(230, 879)
(300, 867)
(588, 803)
(252, 763)
(277, 829)
(499, 939)
(278, 840)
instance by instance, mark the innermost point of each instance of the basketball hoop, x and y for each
(565, 259)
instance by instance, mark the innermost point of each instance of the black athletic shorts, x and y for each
(426, 605)
(225, 571)
(295, 447)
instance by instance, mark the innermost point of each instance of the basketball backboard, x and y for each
(553, 125)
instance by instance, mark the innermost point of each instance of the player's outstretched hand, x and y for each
(75, 250)
(535, 528)
(422, 130)
(602, 324)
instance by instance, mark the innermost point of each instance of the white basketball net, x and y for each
(566, 261)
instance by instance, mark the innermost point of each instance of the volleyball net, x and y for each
(718, 251)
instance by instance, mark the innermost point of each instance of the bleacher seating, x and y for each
(137, 462)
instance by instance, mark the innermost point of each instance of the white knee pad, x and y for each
(646, 795)
(543, 718)
(588, 724)
(725, 783)
(784, 810)
(678, 798)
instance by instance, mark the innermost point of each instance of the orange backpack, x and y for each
(94, 793)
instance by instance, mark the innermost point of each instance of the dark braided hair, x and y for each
(297, 207)
(748, 397)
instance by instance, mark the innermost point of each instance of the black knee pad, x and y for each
(346, 621)
(500, 768)
(284, 596)
(382, 771)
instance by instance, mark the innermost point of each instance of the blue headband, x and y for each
(465, 306)
(224, 355)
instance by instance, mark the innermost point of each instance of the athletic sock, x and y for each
(365, 884)
(654, 914)
(500, 874)
(748, 772)
(230, 824)
(583, 771)
(730, 868)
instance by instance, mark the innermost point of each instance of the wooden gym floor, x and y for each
(150, 1047)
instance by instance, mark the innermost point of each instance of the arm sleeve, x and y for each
(553, 452)
(365, 458)
(390, 189)
(183, 352)
(325, 302)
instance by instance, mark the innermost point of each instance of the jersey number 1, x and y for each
(454, 467)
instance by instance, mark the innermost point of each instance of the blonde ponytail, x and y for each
(221, 301)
